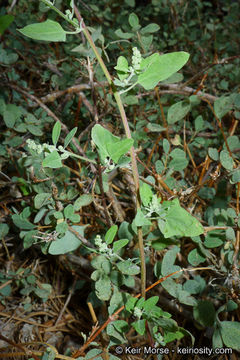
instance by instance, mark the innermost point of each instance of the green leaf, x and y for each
(10, 114)
(236, 176)
(213, 153)
(133, 21)
(204, 312)
(121, 326)
(168, 324)
(8, 58)
(113, 331)
(226, 160)
(123, 35)
(56, 132)
(6, 290)
(166, 146)
(68, 211)
(110, 234)
(53, 160)
(22, 223)
(146, 194)
(4, 228)
(101, 138)
(171, 336)
(5, 22)
(103, 288)
(179, 161)
(150, 28)
(178, 111)
(48, 30)
(119, 148)
(141, 220)
(130, 304)
(69, 137)
(119, 244)
(139, 326)
(42, 199)
(83, 200)
(124, 231)
(233, 143)
(44, 291)
(129, 99)
(199, 123)
(192, 286)
(150, 303)
(175, 78)
(35, 130)
(127, 267)
(217, 339)
(160, 67)
(122, 65)
(176, 290)
(179, 222)
(214, 239)
(146, 41)
(230, 332)
(185, 298)
(155, 127)
(40, 214)
(168, 266)
(195, 257)
(69, 242)
(222, 106)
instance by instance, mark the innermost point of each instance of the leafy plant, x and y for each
(157, 190)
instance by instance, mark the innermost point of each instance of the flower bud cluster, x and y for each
(103, 248)
(154, 206)
(39, 148)
(136, 59)
(46, 148)
(137, 312)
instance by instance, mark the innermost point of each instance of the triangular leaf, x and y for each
(101, 138)
(53, 160)
(178, 222)
(48, 30)
(69, 242)
(160, 67)
(119, 148)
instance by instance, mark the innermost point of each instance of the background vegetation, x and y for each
(69, 229)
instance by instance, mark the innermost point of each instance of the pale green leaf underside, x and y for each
(53, 160)
(48, 30)
(69, 242)
(179, 222)
(160, 67)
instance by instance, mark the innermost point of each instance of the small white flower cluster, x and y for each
(39, 148)
(154, 206)
(46, 148)
(136, 59)
(103, 248)
(137, 312)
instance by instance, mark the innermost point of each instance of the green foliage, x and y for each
(160, 67)
(72, 194)
(47, 31)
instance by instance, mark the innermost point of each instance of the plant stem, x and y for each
(128, 135)
(125, 124)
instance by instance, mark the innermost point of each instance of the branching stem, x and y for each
(124, 121)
